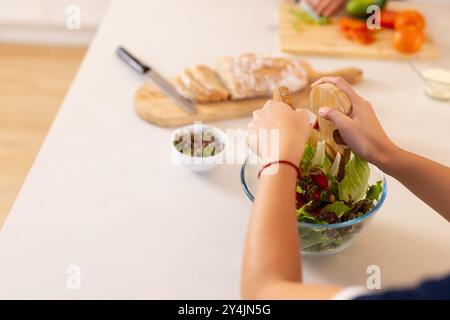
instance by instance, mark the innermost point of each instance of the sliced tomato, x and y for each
(347, 23)
(363, 37)
(356, 30)
(388, 18)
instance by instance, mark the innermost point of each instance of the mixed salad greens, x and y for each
(332, 192)
(326, 195)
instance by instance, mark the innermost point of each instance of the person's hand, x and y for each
(325, 7)
(292, 126)
(361, 131)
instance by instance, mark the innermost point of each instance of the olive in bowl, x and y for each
(198, 147)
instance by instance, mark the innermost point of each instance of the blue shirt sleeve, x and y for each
(435, 289)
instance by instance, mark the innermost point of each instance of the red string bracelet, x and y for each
(278, 162)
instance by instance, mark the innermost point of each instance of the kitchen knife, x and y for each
(309, 10)
(157, 79)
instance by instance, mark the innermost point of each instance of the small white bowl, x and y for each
(199, 164)
(435, 88)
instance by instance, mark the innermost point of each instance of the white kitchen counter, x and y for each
(104, 195)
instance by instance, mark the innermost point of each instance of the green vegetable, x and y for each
(320, 158)
(326, 163)
(341, 201)
(354, 184)
(304, 215)
(347, 199)
(337, 207)
(324, 240)
(309, 238)
(374, 191)
(304, 17)
(312, 239)
(358, 8)
(308, 154)
(315, 158)
(334, 169)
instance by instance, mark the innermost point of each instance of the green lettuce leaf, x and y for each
(308, 155)
(337, 207)
(311, 239)
(374, 191)
(326, 163)
(305, 216)
(315, 158)
(319, 156)
(334, 169)
(355, 182)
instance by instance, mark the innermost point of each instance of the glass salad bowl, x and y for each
(320, 239)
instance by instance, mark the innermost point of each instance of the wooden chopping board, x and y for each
(329, 41)
(153, 106)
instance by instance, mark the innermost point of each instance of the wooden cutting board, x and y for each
(329, 41)
(153, 106)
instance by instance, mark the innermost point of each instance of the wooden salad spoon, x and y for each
(323, 95)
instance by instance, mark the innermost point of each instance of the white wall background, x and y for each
(44, 21)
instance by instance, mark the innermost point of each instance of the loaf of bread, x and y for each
(201, 84)
(251, 75)
(240, 77)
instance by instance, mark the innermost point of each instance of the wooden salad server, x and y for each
(323, 95)
(328, 95)
(282, 94)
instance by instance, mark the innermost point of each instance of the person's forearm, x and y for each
(272, 246)
(429, 180)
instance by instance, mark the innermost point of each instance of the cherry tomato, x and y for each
(409, 18)
(361, 36)
(388, 18)
(320, 180)
(316, 124)
(316, 196)
(408, 39)
(356, 30)
(347, 23)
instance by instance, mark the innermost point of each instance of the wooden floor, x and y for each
(33, 83)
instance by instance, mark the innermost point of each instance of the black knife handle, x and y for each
(132, 61)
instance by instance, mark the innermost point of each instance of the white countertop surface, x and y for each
(104, 195)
